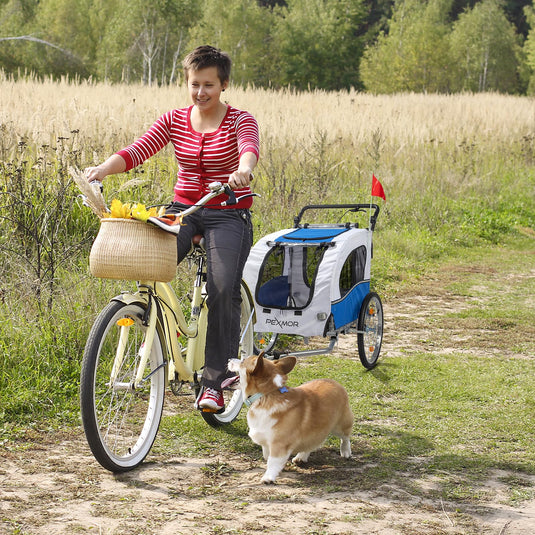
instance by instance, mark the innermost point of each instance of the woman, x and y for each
(212, 142)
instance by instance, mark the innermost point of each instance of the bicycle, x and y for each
(140, 343)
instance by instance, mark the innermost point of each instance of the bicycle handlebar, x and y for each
(172, 222)
(217, 188)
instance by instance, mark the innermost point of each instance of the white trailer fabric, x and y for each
(301, 277)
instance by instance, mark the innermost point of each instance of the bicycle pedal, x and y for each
(213, 411)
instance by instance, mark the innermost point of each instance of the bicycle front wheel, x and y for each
(121, 418)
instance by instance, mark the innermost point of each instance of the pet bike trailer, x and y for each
(314, 280)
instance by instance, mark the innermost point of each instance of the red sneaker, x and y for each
(211, 399)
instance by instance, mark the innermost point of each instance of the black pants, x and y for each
(228, 236)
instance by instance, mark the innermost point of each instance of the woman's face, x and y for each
(205, 88)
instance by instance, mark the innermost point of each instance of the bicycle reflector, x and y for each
(125, 322)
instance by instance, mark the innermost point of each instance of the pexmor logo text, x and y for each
(285, 323)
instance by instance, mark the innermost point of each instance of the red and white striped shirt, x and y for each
(202, 158)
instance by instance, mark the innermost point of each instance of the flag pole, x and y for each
(370, 212)
(376, 191)
(369, 252)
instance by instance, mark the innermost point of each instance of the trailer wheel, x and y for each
(370, 330)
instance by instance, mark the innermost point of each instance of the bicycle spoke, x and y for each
(120, 419)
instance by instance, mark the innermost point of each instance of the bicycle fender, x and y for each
(143, 300)
(246, 293)
(132, 299)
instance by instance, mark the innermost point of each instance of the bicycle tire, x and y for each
(120, 423)
(234, 398)
(370, 330)
(264, 341)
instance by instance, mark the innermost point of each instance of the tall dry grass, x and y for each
(429, 151)
(436, 155)
(409, 140)
(457, 171)
(108, 112)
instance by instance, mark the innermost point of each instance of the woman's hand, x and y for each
(94, 174)
(241, 178)
(113, 165)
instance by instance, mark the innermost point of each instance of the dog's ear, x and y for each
(286, 364)
(259, 364)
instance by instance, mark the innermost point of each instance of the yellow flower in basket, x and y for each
(131, 211)
(120, 210)
(141, 213)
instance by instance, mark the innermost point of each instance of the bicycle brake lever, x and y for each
(231, 196)
(241, 197)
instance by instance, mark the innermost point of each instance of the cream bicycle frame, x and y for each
(161, 297)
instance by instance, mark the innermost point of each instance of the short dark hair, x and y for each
(207, 56)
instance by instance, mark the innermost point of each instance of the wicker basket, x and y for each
(133, 250)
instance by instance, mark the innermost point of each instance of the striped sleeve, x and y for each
(154, 140)
(247, 134)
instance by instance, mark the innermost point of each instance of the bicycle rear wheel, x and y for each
(121, 421)
(234, 398)
(264, 341)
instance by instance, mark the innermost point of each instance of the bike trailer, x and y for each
(310, 279)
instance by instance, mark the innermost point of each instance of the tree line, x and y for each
(381, 46)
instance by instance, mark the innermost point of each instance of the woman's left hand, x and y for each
(239, 179)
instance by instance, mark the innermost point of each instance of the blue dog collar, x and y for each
(255, 397)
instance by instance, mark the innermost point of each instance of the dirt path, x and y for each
(51, 484)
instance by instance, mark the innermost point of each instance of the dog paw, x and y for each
(345, 449)
(267, 480)
(301, 457)
(345, 453)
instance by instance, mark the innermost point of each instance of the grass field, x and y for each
(457, 171)
(442, 442)
(448, 404)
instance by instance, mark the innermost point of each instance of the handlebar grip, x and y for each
(97, 185)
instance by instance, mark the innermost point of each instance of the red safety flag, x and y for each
(377, 189)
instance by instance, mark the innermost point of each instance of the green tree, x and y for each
(64, 23)
(243, 29)
(379, 13)
(485, 49)
(143, 41)
(529, 50)
(15, 19)
(318, 43)
(414, 55)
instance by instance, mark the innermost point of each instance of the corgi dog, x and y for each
(291, 420)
